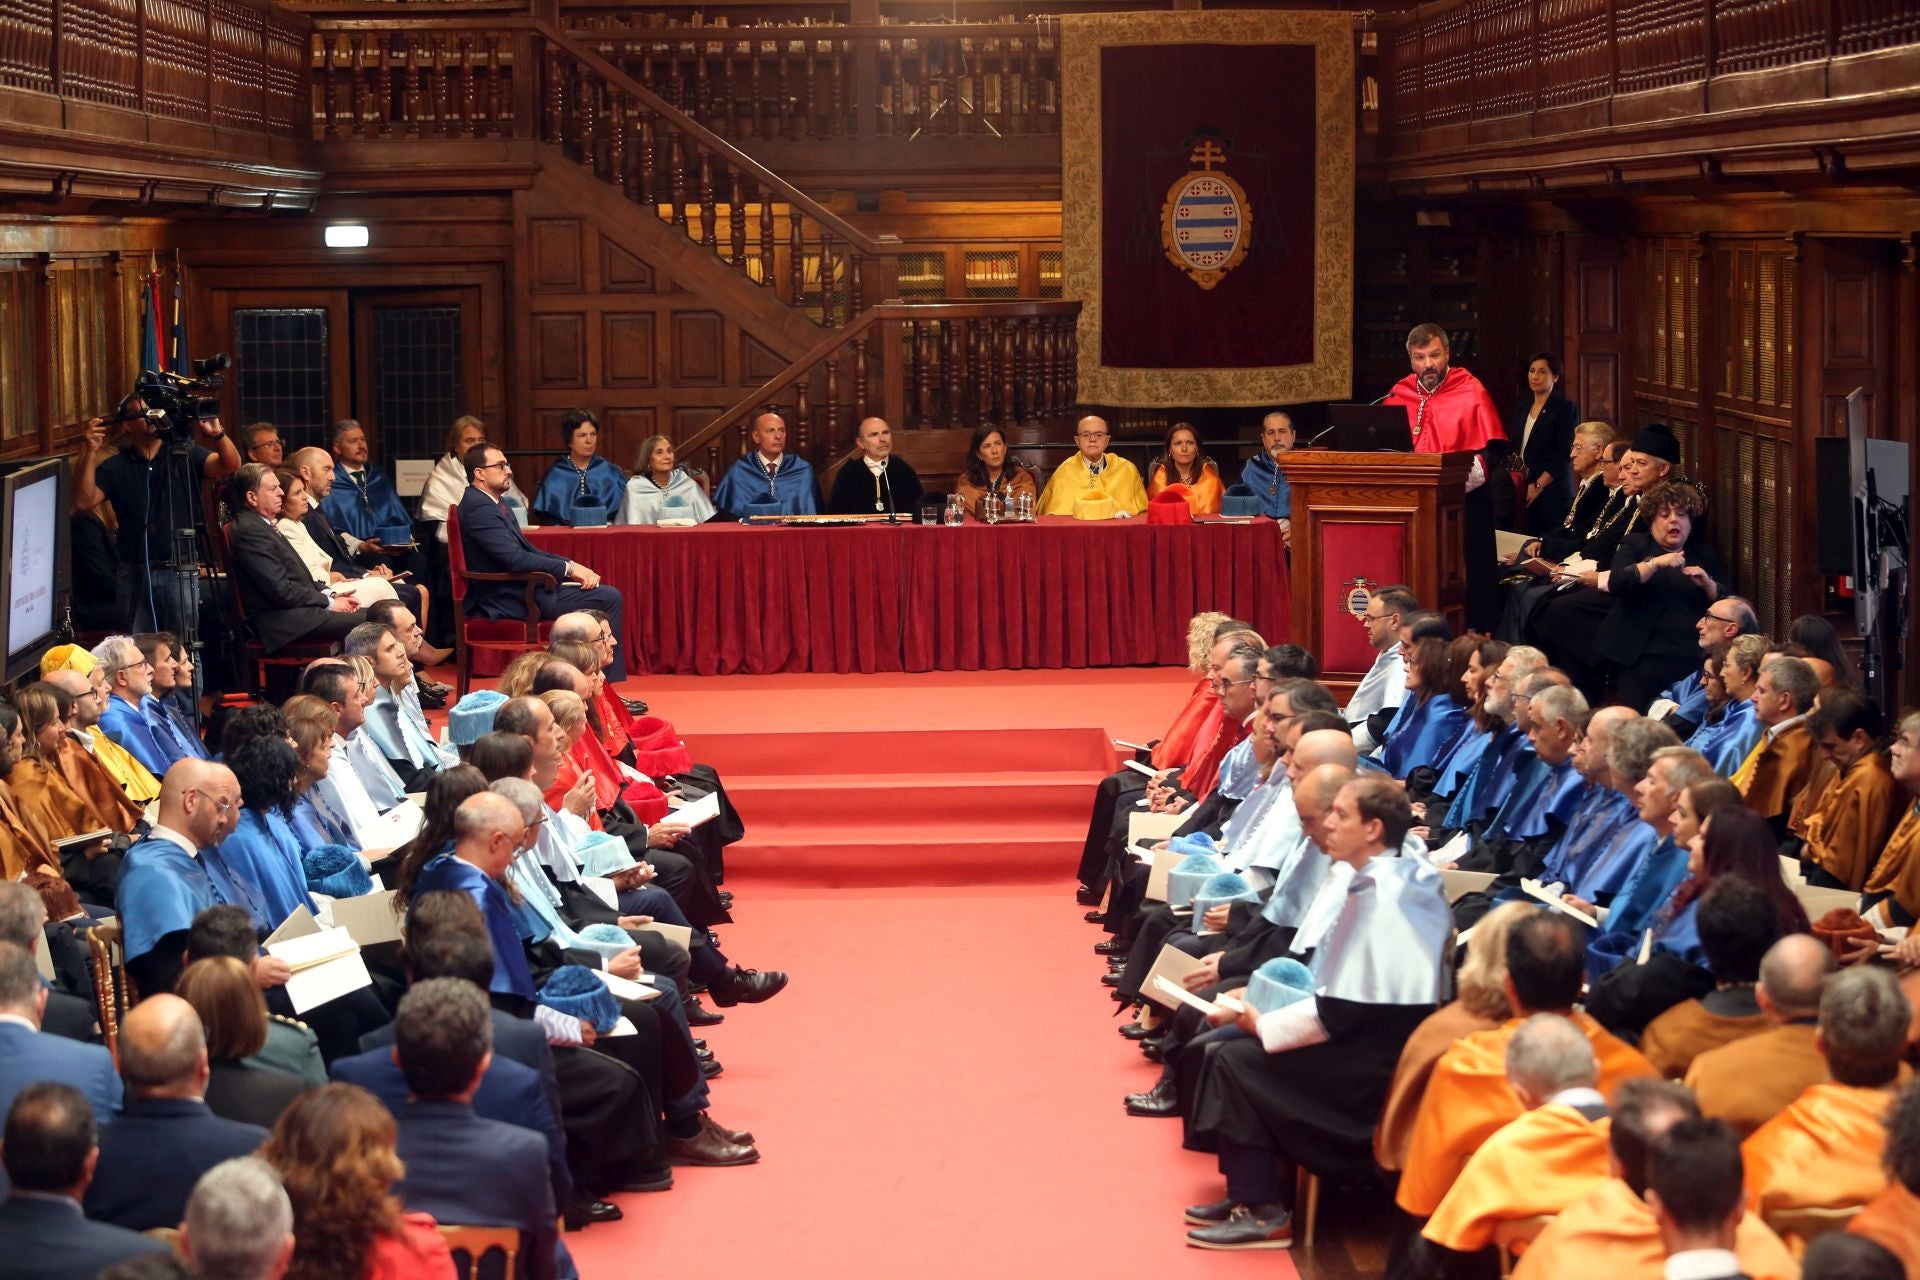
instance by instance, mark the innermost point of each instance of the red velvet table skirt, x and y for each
(731, 599)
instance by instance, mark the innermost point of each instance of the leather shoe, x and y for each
(1207, 1215)
(1161, 1100)
(1138, 1031)
(1086, 897)
(1247, 1228)
(708, 1148)
(1116, 964)
(582, 1212)
(1109, 979)
(738, 1137)
(698, 1015)
(1096, 917)
(431, 701)
(659, 1178)
(746, 986)
(635, 706)
(1154, 1050)
(726, 898)
(1112, 947)
(710, 1067)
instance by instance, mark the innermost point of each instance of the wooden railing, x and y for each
(1480, 60)
(512, 76)
(230, 64)
(795, 83)
(935, 364)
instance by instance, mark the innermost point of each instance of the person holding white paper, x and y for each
(162, 882)
(1307, 1085)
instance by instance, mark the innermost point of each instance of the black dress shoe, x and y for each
(1112, 947)
(1161, 1100)
(1154, 1050)
(1109, 979)
(710, 1068)
(659, 1178)
(1138, 1031)
(434, 702)
(635, 706)
(746, 986)
(1086, 897)
(698, 1043)
(582, 1213)
(698, 1015)
(726, 898)
(1096, 917)
(1116, 964)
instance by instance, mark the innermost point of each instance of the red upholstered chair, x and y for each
(499, 635)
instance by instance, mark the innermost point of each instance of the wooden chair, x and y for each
(1808, 1225)
(1515, 1235)
(476, 1243)
(112, 992)
(1306, 1205)
(501, 635)
(253, 653)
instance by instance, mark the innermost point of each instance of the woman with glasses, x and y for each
(1183, 463)
(1093, 484)
(581, 487)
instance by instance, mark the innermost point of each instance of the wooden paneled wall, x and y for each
(70, 322)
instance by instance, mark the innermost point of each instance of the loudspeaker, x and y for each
(1833, 506)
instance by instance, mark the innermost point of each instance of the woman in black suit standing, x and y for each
(1661, 582)
(1541, 431)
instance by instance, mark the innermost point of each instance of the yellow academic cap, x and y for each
(66, 657)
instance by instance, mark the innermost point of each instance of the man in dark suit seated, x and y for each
(507, 1092)
(29, 1054)
(462, 1169)
(282, 602)
(49, 1151)
(612, 1134)
(153, 1154)
(493, 543)
(23, 918)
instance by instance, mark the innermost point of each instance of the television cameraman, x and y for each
(135, 480)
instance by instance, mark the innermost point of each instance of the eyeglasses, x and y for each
(1091, 435)
(492, 465)
(1219, 683)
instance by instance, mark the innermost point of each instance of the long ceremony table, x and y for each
(725, 599)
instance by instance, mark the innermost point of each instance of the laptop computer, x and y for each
(1367, 428)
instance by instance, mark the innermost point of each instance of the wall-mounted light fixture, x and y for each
(347, 236)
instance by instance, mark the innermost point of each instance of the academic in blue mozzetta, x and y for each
(581, 487)
(769, 481)
(363, 501)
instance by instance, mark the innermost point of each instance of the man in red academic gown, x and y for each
(1450, 412)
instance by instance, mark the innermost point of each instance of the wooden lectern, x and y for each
(1368, 520)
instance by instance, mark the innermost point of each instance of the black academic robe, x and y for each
(858, 492)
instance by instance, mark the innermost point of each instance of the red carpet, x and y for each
(938, 1092)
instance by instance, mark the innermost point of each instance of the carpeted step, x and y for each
(945, 751)
(855, 857)
(786, 802)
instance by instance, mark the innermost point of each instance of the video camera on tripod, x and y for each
(177, 403)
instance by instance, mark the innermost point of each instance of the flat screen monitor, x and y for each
(33, 559)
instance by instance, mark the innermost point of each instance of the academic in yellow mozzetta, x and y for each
(1094, 484)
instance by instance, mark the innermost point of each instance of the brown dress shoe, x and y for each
(738, 1137)
(708, 1147)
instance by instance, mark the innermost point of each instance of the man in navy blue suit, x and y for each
(50, 1147)
(29, 1055)
(153, 1154)
(493, 543)
(461, 1168)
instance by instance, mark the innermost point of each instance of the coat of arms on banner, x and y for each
(1206, 221)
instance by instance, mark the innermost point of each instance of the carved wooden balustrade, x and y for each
(795, 83)
(1497, 69)
(512, 76)
(934, 364)
(235, 65)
